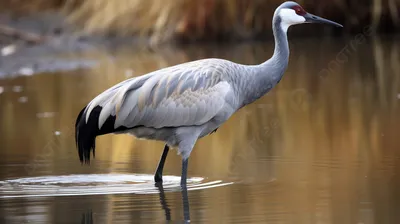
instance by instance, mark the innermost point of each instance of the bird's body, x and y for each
(180, 104)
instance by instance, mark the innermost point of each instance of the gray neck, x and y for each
(280, 58)
(261, 78)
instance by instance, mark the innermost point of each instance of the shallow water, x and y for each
(321, 147)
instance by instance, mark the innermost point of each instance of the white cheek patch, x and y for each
(289, 17)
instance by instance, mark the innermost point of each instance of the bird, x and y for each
(180, 104)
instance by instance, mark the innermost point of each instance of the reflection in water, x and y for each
(163, 201)
(87, 218)
(322, 147)
(164, 204)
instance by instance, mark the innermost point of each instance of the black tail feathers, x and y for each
(85, 136)
(86, 132)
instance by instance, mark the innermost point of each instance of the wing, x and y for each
(189, 94)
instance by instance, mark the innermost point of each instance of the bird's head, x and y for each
(291, 13)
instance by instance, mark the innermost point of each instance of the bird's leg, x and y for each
(185, 162)
(160, 167)
(185, 202)
(185, 148)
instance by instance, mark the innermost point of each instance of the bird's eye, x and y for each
(299, 10)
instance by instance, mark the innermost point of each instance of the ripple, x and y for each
(97, 184)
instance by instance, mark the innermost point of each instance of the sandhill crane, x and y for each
(182, 103)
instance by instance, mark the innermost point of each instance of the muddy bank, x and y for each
(38, 43)
(46, 42)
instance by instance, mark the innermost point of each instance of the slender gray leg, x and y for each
(160, 167)
(185, 201)
(184, 172)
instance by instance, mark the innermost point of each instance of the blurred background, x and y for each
(321, 147)
(190, 20)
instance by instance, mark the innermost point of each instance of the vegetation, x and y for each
(204, 19)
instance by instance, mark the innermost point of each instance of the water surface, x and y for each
(321, 147)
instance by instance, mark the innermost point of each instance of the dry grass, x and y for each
(203, 19)
(20, 7)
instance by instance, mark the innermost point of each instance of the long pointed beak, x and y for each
(310, 18)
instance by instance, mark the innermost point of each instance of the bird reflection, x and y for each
(164, 204)
(87, 217)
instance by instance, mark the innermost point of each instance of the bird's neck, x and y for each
(280, 58)
(265, 76)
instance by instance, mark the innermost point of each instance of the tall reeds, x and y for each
(204, 19)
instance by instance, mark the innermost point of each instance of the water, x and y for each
(321, 147)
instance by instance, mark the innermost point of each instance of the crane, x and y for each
(180, 104)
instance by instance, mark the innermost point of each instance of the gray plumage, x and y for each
(182, 103)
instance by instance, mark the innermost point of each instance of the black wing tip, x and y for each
(78, 120)
(84, 155)
(86, 132)
(85, 136)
